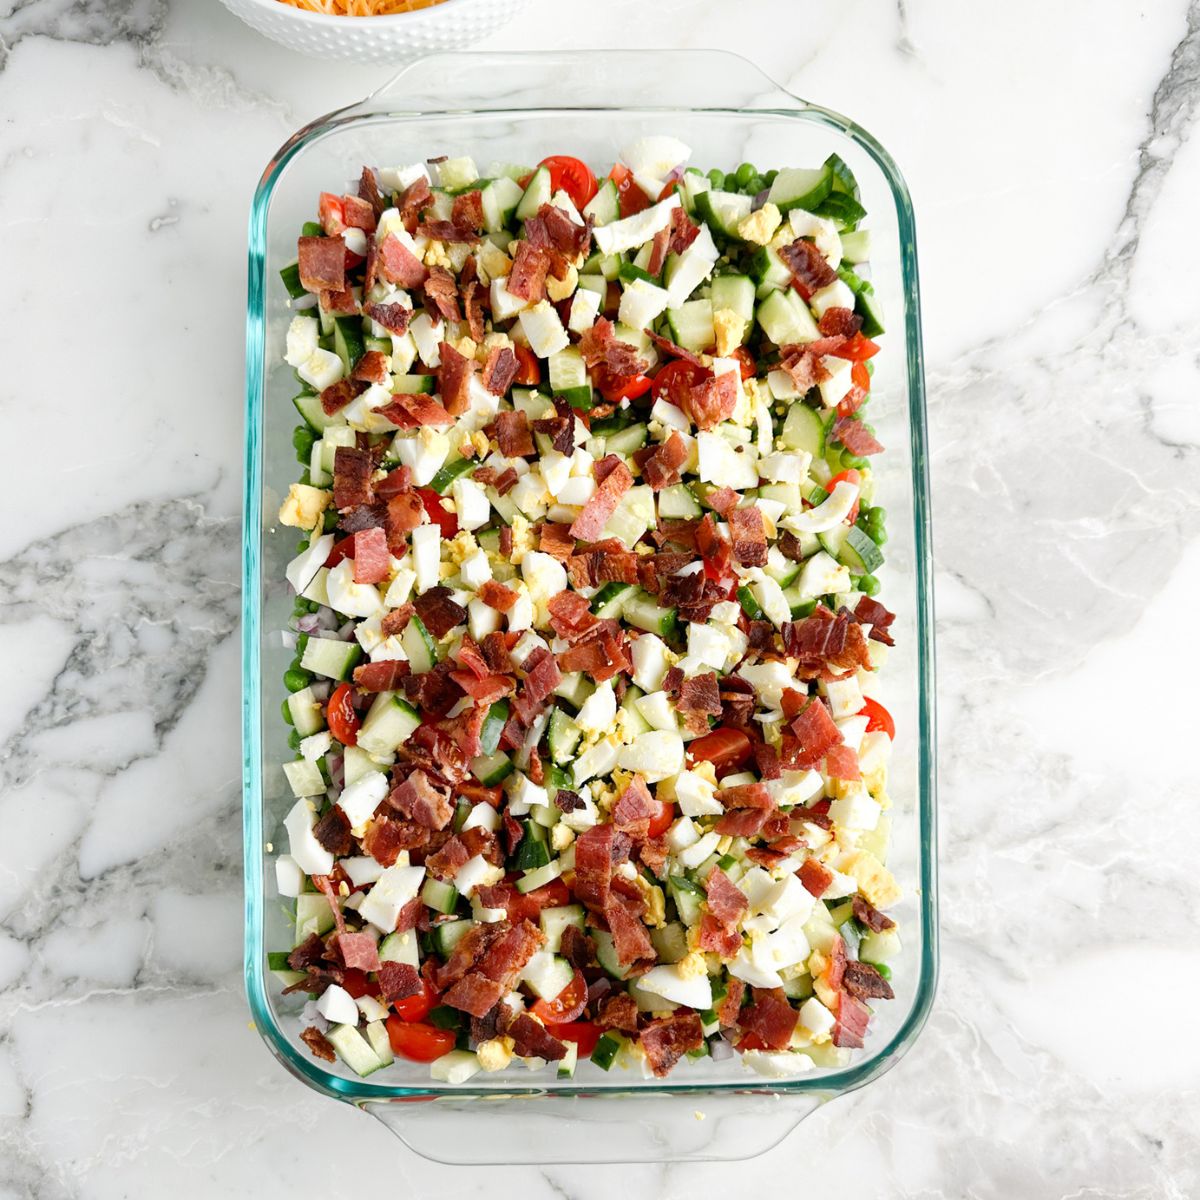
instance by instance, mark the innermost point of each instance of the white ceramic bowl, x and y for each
(450, 25)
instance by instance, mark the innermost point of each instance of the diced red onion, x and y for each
(346, 632)
(760, 200)
(321, 690)
(309, 623)
(720, 1049)
(337, 769)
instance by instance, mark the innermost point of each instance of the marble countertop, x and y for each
(1049, 153)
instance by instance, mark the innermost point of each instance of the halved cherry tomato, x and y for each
(850, 476)
(860, 376)
(416, 1008)
(878, 717)
(527, 906)
(675, 381)
(661, 821)
(566, 1006)
(529, 371)
(583, 1033)
(356, 982)
(340, 716)
(572, 175)
(630, 197)
(672, 186)
(745, 362)
(446, 521)
(615, 388)
(724, 748)
(857, 349)
(476, 793)
(332, 214)
(417, 1042)
(342, 549)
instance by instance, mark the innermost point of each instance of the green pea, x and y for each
(878, 534)
(286, 709)
(868, 584)
(294, 739)
(756, 185)
(301, 545)
(770, 177)
(878, 513)
(852, 460)
(744, 174)
(329, 520)
(729, 182)
(295, 680)
(716, 178)
(883, 969)
(305, 478)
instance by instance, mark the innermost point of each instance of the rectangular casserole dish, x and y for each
(507, 107)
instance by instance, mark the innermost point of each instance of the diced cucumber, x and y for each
(868, 307)
(785, 319)
(411, 385)
(554, 920)
(723, 211)
(306, 712)
(419, 645)
(548, 975)
(645, 612)
(500, 198)
(402, 948)
(606, 954)
(607, 1049)
(537, 193)
(569, 378)
(309, 407)
(441, 482)
(769, 271)
(860, 553)
(389, 723)
(803, 429)
(735, 293)
(628, 272)
(832, 540)
(563, 736)
(604, 207)
(610, 599)
(354, 1049)
(856, 245)
(688, 898)
(533, 852)
(678, 503)
(538, 877)
(439, 895)
(625, 441)
(844, 182)
(377, 1039)
(671, 942)
(313, 915)
(798, 187)
(691, 325)
(348, 340)
(491, 769)
(291, 280)
(633, 516)
(843, 210)
(330, 657)
(566, 1065)
(801, 605)
(493, 727)
(448, 934)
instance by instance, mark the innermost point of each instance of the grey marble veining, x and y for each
(1052, 156)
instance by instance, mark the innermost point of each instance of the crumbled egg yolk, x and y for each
(561, 836)
(461, 547)
(436, 255)
(692, 966)
(496, 1053)
(759, 227)
(656, 905)
(707, 772)
(465, 346)
(729, 327)
(303, 506)
(522, 539)
(560, 289)
(493, 262)
(875, 881)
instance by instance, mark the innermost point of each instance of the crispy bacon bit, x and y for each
(322, 264)
(372, 561)
(746, 795)
(499, 372)
(447, 231)
(807, 265)
(542, 675)
(531, 1040)
(839, 322)
(712, 400)
(358, 951)
(441, 289)
(368, 190)
(383, 676)
(404, 514)
(393, 317)
(352, 471)
(864, 982)
(527, 279)
(371, 368)
(399, 265)
(417, 197)
(726, 901)
(601, 347)
(567, 801)
(497, 596)
(630, 939)
(333, 832)
(603, 503)
(748, 534)
(444, 864)
(506, 541)
(597, 851)
(700, 694)
(869, 611)
(856, 437)
(669, 347)
(658, 250)
(717, 938)
(634, 807)
(386, 837)
(438, 611)
(852, 1019)
(744, 822)
(397, 620)
(412, 410)
(770, 1017)
(474, 994)
(841, 762)
(618, 1010)
(570, 615)
(318, 1043)
(556, 229)
(660, 465)
(337, 395)
(667, 1040)
(420, 801)
(683, 232)
(467, 210)
(398, 981)
(513, 435)
(867, 914)
(815, 733)
(815, 877)
(454, 379)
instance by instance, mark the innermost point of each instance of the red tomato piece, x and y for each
(356, 982)
(857, 349)
(861, 377)
(446, 521)
(583, 1033)
(615, 388)
(850, 476)
(332, 214)
(630, 197)
(340, 716)
(566, 1006)
(724, 748)
(675, 381)
(418, 1042)
(878, 717)
(572, 175)
(342, 549)
(418, 1007)
(529, 372)
(661, 821)
(745, 362)
(751, 1041)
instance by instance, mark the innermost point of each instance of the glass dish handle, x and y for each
(543, 1129)
(625, 79)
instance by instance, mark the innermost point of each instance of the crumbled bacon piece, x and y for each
(322, 263)
(807, 265)
(666, 1040)
(513, 435)
(399, 265)
(441, 289)
(499, 372)
(748, 535)
(454, 379)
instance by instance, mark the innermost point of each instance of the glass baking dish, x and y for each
(519, 108)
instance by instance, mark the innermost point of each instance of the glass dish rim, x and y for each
(360, 1091)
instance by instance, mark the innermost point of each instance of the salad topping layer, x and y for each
(586, 632)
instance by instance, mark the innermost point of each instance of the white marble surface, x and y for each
(1047, 146)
